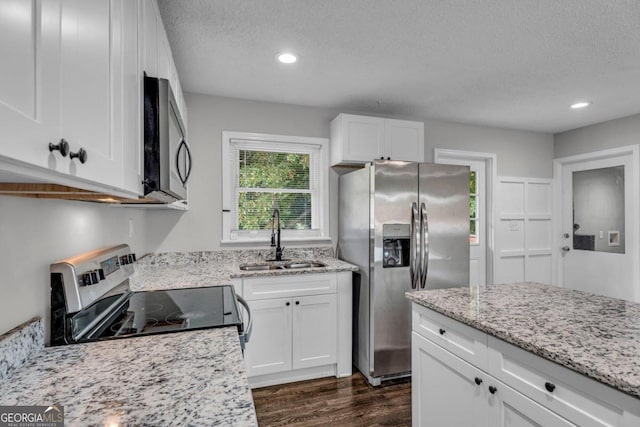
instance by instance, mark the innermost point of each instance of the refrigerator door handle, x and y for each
(424, 245)
(414, 240)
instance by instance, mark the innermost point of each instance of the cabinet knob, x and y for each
(478, 381)
(492, 389)
(442, 331)
(80, 155)
(288, 304)
(62, 146)
(297, 302)
(549, 386)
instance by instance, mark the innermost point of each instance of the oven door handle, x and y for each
(246, 333)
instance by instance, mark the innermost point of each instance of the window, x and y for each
(473, 208)
(263, 172)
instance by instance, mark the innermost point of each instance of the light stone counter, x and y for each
(594, 335)
(198, 269)
(186, 378)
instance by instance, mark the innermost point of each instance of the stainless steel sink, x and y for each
(288, 266)
(305, 264)
(260, 267)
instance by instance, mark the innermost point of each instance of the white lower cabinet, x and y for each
(269, 349)
(314, 331)
(444, 390)
(296, 333)
(502, 386)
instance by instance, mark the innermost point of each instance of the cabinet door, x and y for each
(86, 108)
(443, 389)
(362, 138)
(29, 88)
(314, 331)
(404, 140)
(508, 407)
(150, 38)
(269, 349)
(128, 106)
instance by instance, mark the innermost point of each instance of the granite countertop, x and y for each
(187, 378)
(591, 334)
(197, 269)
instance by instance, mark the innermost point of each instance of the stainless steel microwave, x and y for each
(167, 155)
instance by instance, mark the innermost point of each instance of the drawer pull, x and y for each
(478, 381)
(549, 386)
(442, 331)
(492, 389)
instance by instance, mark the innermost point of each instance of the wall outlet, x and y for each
(131, 228)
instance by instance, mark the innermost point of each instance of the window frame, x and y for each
(319, 150)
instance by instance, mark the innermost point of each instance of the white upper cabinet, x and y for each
(89, 86)
(404, 140)
(30, 88)
(129, 100)
(360, 139)
(74, 82)
(158, 58)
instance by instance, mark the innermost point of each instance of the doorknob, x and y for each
(566, 249)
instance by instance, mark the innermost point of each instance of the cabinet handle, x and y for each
(442, 331)
(478, 381)
(549, 386)
(80, 155)
(62, 146)
(288, 304)
(492, 389)
(297, 302)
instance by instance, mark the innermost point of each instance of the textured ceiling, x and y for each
(507, 63)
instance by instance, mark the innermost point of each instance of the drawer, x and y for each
(575, 397)
(466, 342)
(288, 286)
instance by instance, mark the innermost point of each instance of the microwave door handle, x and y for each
(185, 178)
(189, 162)
(413, 246)
(424, 245)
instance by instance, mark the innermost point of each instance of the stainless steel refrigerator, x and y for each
(406, 226)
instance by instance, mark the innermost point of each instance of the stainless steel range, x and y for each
(91, 301)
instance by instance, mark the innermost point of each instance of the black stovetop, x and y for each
(155, 312)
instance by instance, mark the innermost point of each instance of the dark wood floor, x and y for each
(338, 402)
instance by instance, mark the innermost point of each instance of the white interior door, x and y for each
(599, 226)
(478, 236)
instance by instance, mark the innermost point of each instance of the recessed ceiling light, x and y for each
(287, 58)
(581, 104)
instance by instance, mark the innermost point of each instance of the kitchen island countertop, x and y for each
(189, 378)
(591, 334)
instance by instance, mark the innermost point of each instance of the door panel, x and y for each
(444, 189)
(443, 389)
(508, 408)
(314, 330)
(269, 349)
(395, 188)
(583, 266)
(29, 88)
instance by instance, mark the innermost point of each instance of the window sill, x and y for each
(267, 242)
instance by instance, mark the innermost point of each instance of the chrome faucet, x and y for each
(275, 233)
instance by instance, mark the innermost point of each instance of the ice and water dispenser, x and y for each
(395, 245)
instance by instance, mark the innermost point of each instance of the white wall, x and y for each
(36, 232)
(519, 153)
(526, 154)
(601, 136)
